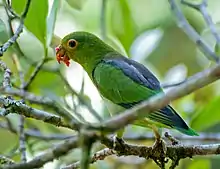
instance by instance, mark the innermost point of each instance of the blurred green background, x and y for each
(144, 30)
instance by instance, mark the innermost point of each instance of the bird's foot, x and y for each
(173, 140)
(117, 140)
(160, 146)
(159, 150)
(159, 142)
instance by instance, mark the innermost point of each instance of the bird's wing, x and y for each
(124, 82)
(136, 71)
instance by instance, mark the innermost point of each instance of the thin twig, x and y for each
(52, 153)
(172, 84)
(22, 139)
(81, 99)
(9, 8)
(12, 40)
(188, 29)
(37, 134)
(11, 32)
(173, 140)
(17, 47)
(100, 155)
(40, 100)
(203, 137)
(7, 75)
(86, 146)
(103, 19)
(202, 7)
(5, 161)
(19, 107)
(34, 74)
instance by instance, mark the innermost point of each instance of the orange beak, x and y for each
(61, 56)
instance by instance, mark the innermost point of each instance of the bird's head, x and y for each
(82, 47)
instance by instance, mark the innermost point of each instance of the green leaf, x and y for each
(8, 141)
(35, 20)
(47, 82)
(51, 20)
(201, 164)
(76, 4)
(194, 17)
(122, 23)
(207, 116)
(217, 49)
(35, 51)
(3, 32)
(210, 40)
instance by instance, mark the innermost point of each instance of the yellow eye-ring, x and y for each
(72, 43)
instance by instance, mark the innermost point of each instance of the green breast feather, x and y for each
(115, 86)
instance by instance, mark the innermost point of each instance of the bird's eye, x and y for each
(72, 43)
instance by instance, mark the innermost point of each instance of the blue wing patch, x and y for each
(136, 71)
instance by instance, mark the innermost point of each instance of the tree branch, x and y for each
(7, 75)
(18, 107)
(175, 153)
(203, 137)
(22, 138)
(12, 40)
(202, 7)
(34, 74)
(168, 85)
(35, 133)
(40, 100)
(100, 155)
(103, 19)
(53, 153)
(5, 161)
(188, 29)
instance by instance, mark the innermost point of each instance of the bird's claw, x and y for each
(159, 150)
(160, 145)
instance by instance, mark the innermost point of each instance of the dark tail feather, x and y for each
(168, 116)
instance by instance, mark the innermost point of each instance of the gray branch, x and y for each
(7, 75)
(202, 7)
(19, 30)
(100, 155)
(18, 107)
(188, 29)
(174, 153)
(53, 153)
(35, 133)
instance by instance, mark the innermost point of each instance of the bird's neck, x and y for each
(92, 61)
(90, 65)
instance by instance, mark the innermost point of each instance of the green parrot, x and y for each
(121, 80)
